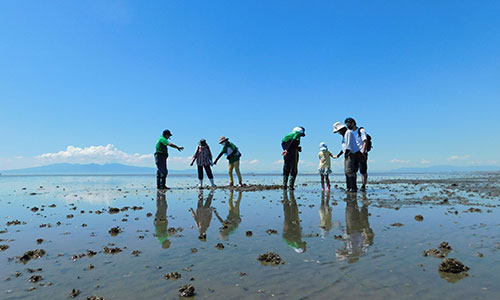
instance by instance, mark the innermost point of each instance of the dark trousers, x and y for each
(351, 167)
(208, 170)
(162, 172)
(290, 163)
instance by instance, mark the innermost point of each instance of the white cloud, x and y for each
(278, 162)
(457, 157)
(424, 162)
(95, 154)
(398, 161)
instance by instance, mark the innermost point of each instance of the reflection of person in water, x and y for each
(325, 214)
(233, 218)
(292, 233)
(203, 214)
(358, 234)
(161, 221)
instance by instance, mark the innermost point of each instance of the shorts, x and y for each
(325, 171)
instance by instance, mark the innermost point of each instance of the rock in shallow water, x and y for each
(186, 291)
(270, 258)
(452, 265)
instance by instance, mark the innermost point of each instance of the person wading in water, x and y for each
(161, 155)
(291, 148)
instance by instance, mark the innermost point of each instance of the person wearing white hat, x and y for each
(291, 148)
(233, 156)
(324, 168)
(341, 129)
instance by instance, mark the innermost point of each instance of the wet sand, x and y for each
(407, 237)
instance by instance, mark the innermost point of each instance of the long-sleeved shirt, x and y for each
(350, 141)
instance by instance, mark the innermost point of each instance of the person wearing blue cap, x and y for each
(161, 156)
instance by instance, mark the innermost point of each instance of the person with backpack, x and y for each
(233, 156)
(291, 148)
(364, 141)
(161, 156)
(203, 157)
(354, 154)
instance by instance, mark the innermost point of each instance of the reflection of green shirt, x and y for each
(228, 149)
(295, 135)
(161, 231)
(161, 145)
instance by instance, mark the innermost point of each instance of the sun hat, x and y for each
(299, 129)
(323, 146)
(222, 139)
(337, 126)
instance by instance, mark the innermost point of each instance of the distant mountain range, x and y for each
(121, 169)
(445, 168)
(87, 169)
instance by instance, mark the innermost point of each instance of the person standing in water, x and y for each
(324, 168)
(203, 157)
(291, 148)
(364, 143)
(354, 156)
(161, 156)
(233, 156)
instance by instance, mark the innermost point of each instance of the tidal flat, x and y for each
(116, 237)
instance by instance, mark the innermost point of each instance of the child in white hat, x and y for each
(324, 168)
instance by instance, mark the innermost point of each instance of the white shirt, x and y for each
(360, 136)
(350, 141)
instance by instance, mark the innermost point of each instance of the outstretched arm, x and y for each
(217, 159)
(176, 147)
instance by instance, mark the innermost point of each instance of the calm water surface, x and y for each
(335, 246)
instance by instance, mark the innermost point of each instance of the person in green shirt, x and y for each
(233, 156)
(161, 155)
(291, 148)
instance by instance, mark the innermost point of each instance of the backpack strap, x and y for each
(359, 131)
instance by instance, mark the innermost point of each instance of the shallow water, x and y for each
(334, 245)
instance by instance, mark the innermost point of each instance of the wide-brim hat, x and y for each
(337, 127)
(222, 139)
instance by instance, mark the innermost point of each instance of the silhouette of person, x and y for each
(325, 214)
(358, 235)
(233, 219)
(161, 222)
(292, 232)
(203, 214)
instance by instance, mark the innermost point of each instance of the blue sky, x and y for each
(423, 78)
